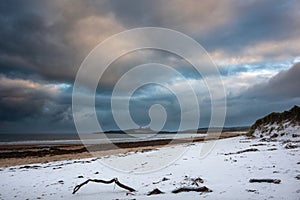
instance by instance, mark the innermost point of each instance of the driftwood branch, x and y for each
(242, 151)
(114, 180)
(267, 180)
(192, 189)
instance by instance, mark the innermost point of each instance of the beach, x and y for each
(21, 154)
(225, 173)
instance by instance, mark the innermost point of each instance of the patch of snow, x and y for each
(283, 131)
(226, 175)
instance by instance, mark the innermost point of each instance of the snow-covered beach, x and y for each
(133, 100)
(226, 171)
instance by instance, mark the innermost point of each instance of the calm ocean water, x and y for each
(11, 139)
(36, 137)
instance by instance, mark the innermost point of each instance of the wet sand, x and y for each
(12, 155)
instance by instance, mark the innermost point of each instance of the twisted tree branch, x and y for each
(114, 180)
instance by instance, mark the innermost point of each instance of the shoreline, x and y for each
(14, 155)
(248, 167)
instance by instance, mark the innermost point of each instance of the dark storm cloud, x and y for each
(35, 39)
(280, 92)
(239, 23)
(284, 85)
(139, 106)
(256, 22)
(24, 102)
(32, 44)
(43, 43)
(48, 38)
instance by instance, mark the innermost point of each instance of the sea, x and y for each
(44, 139)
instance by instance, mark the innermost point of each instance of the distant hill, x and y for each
(199, 130)
(285, 124)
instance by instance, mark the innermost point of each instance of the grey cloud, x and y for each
(256, 22)
(40, 36)
(282, 86)
(24, 102)
(36, 38)
(228, 25)
(31, 43)
(122, 65)
(45, 41)
(281, 92)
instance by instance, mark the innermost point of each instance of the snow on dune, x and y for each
(282, 131)
(282, 126)
(226, 171)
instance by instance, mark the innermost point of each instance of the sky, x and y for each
(255, 45)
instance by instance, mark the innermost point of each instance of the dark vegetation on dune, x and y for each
(292, 115)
